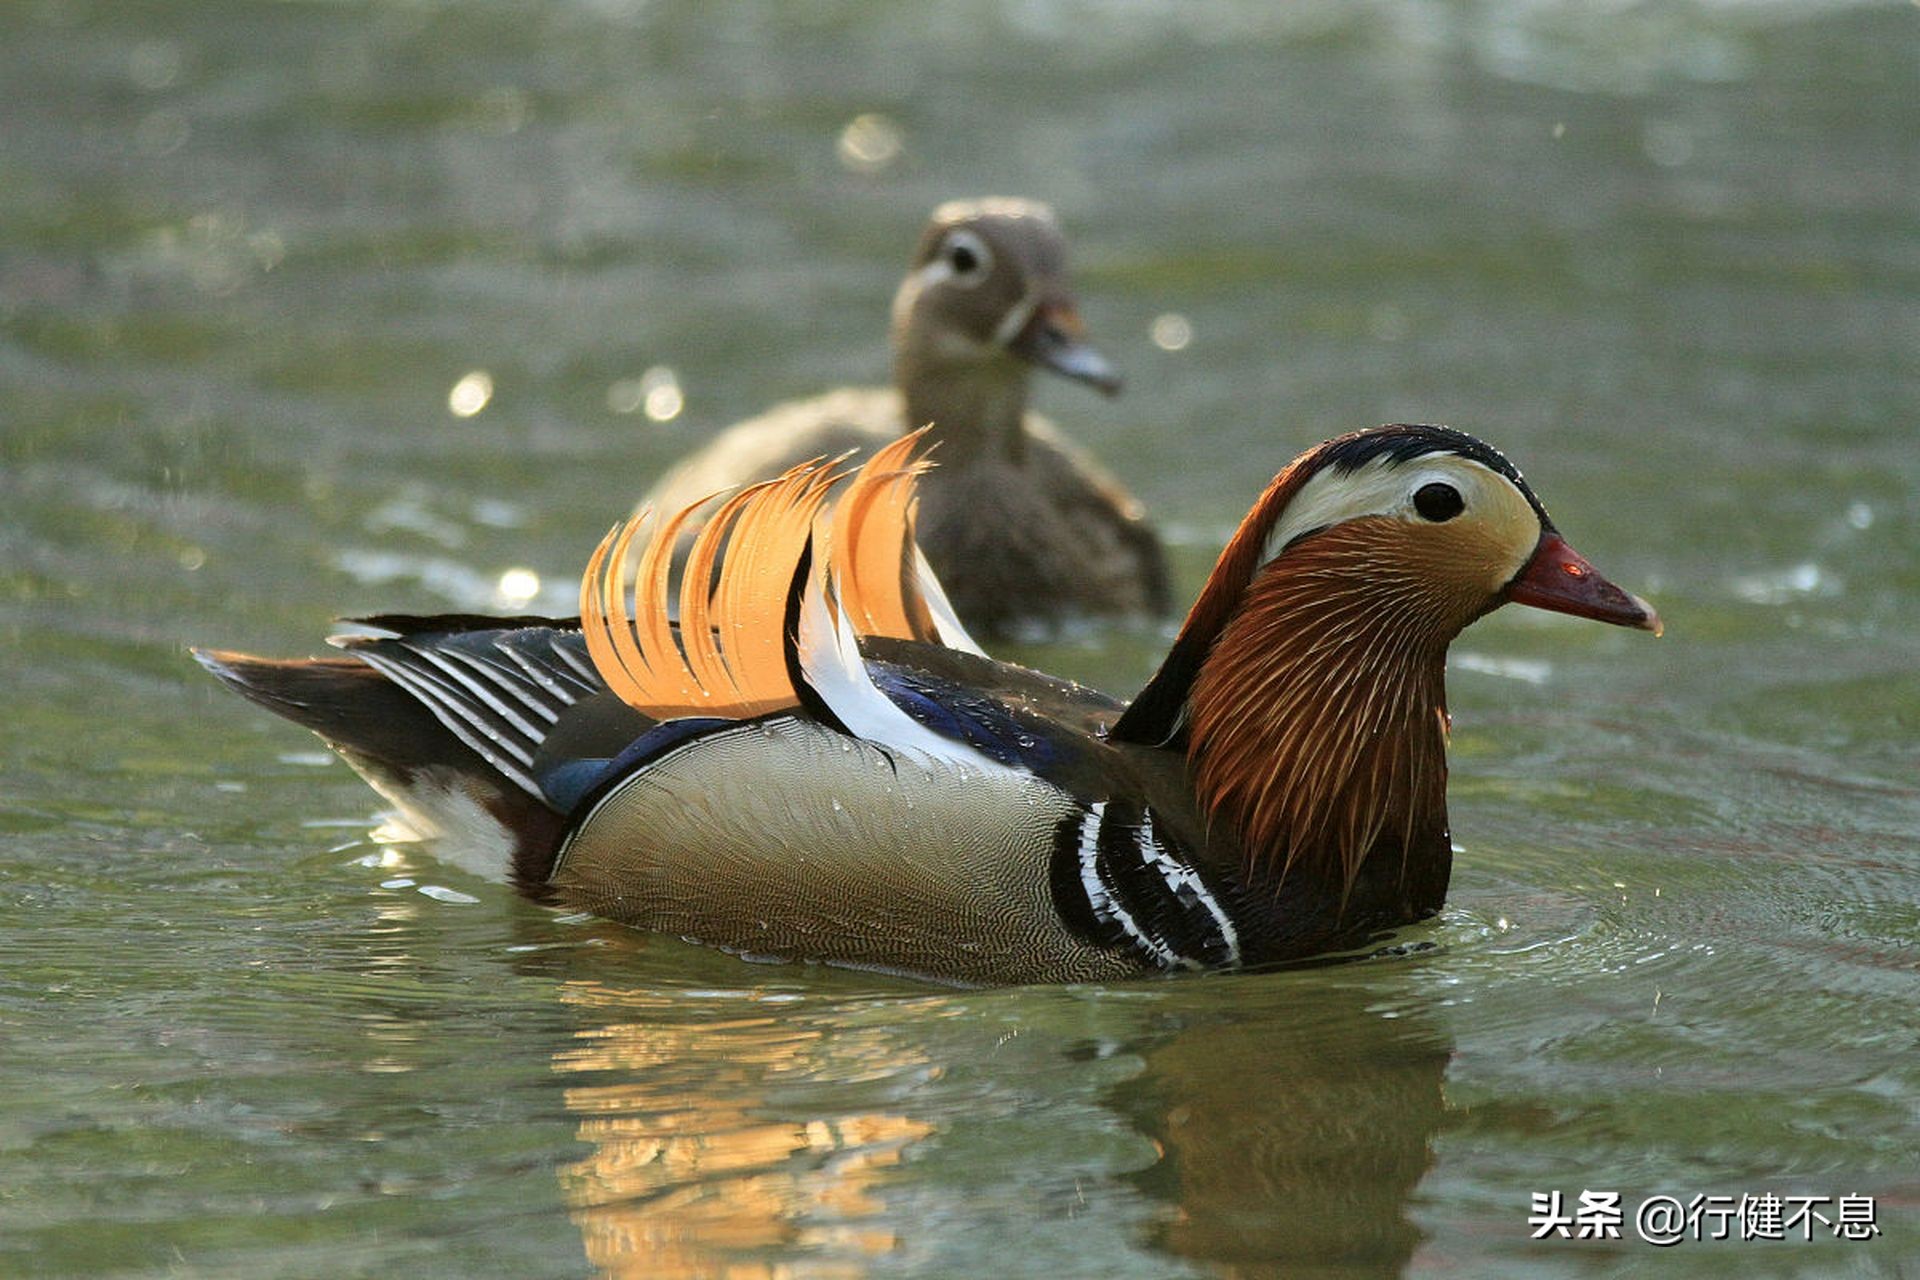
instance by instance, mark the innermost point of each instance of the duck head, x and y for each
(985, 300)
(1307, 685)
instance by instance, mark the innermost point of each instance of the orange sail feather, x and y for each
(729, 657)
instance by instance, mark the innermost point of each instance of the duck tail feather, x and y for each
(440, 784)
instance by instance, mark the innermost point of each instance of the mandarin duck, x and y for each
(1024, 528)
(817, 762)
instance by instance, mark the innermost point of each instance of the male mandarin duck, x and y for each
(818, 762)
(1022, 526)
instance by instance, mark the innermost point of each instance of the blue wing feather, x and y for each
(567, 782)
(964, 715)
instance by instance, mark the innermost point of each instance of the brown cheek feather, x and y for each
(1155, 715)
(1316, 719)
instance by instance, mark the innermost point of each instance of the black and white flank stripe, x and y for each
(1116, 882)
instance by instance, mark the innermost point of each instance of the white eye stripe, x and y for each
(1016, 319)
(1382, 487)
(1422, 480)
(939, 271)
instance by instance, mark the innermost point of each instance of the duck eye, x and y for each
(1438, 502)
(967, 257)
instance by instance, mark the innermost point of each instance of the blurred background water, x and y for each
(309, 309)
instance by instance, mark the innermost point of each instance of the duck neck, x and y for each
(976, 401)
(1316, 727)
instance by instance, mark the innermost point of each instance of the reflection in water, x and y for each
(1293, 1143)
(774, 1135)
(690, 1177)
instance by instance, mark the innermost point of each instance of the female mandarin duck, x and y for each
(820, 764)
(1022, 527)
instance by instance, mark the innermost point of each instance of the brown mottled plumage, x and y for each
(1022, 526)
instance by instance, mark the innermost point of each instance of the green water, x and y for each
(1667, 255)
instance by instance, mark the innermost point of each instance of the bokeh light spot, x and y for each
(656, 393)
(870, 143)
(471, 394)
(1171, 331)
(516, 588)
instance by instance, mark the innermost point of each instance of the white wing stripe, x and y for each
(562, 685)
(946, 622)
(508, 680)
(503, 753)
(583, 666)
(830, 660)
(479, 691)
